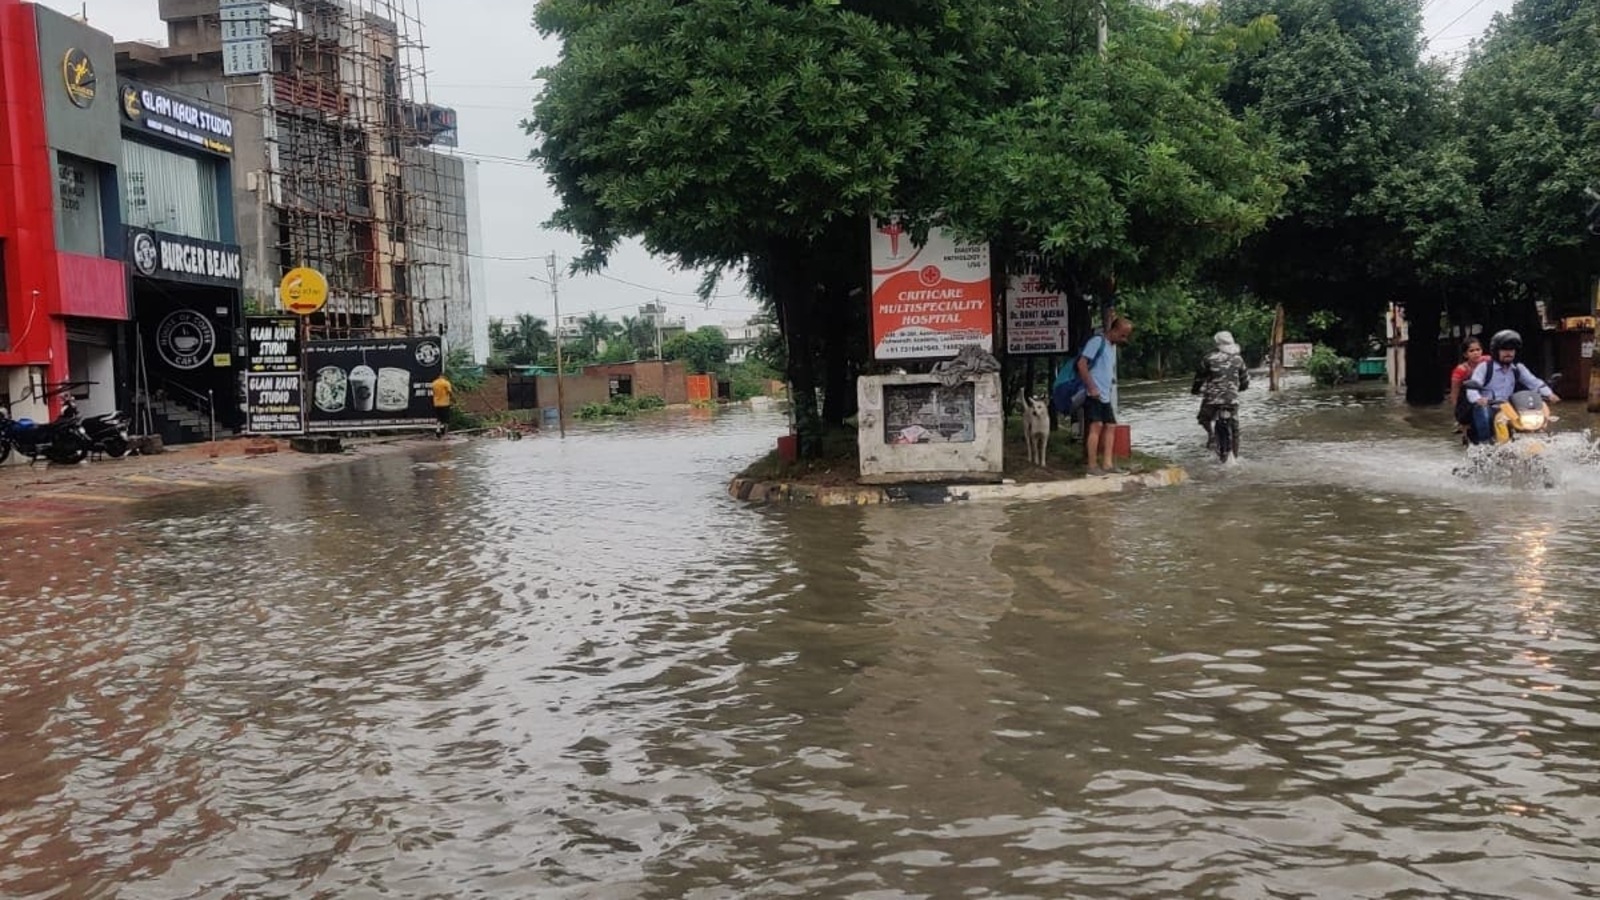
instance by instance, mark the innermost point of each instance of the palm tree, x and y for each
(639, 332)
(596, 329)
(529, 340)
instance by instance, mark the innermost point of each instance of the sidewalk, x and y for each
(49, 493)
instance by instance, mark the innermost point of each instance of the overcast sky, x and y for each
(481, 59)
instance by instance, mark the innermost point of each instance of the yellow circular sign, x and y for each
(303, 291)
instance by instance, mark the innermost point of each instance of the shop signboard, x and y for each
(928, 300)
(372, 384)
(180, 120)
(1036, 319)
(175, 257)
(273, 404)
(274, 343)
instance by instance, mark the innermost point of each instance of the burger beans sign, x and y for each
(376, 383)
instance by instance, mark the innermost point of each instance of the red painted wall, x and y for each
(41, 284)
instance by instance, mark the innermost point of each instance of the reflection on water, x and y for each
(575, 669)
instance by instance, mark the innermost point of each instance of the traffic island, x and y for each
(832, 477)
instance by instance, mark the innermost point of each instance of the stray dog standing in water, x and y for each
(1036, 428)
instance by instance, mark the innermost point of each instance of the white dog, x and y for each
(1036, 428)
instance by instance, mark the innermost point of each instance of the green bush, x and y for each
(620, 406)
(1326, 367)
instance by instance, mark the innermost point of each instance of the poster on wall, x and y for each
(929, 414)
(928, 300)
(273, 404)
(1036, 319)
(273, 343)
(372, 383)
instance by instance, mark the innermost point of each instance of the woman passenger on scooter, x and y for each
(1471, 355)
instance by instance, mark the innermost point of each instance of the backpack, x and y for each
(1068, 393)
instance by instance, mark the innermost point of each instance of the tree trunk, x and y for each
(838, 391)
(794, 300)
(1424, 378)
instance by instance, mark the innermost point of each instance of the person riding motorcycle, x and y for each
(1498, 377)
(1218, 380)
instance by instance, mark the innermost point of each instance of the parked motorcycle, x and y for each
(61, 442)
(107, 433)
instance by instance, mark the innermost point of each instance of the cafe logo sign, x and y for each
(185, 339)
(427, 353)
(146, 255)
(77, 73)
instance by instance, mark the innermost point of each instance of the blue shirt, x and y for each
(1503, 381)
(1102, 371)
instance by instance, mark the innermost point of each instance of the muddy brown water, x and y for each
(576, 669)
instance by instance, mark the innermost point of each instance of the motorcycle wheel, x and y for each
(5, 451)
(1223, 429)
(68, 449)
(116, 446)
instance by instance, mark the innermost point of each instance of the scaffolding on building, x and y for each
(355, 186)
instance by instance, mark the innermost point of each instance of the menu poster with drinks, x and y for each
(273, 404)
(372, 384)
(1036, 319)
(928, 300)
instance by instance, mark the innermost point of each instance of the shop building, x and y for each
(185, 268)
(63, 298)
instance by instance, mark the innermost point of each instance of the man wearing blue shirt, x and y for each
(1498, 378)
(1097, 369)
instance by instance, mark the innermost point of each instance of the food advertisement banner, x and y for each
(928, 300)
(372, 383)
(1036, 319)
(273, 404)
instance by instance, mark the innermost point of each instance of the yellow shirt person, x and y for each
(444, 393)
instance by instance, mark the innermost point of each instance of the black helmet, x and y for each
(1505, 340)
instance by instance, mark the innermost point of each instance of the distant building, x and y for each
(744, 337)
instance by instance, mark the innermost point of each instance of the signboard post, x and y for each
(1036, 319)
(928, 300)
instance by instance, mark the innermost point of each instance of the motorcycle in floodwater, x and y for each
(1225, 431)
(107, 433)
(62, 442)
(1520, 435)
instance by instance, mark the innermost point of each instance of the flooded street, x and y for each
(577, 670)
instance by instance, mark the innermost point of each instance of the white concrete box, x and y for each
(915, 428)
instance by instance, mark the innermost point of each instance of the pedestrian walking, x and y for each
(444, 395)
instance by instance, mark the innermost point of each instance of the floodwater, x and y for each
(577, 670)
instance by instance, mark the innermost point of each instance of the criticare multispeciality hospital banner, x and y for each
(928, 300)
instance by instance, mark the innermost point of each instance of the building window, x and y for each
(78, 222)
(395, 203)
(169, 192)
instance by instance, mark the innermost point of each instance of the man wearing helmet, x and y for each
(1498, 378)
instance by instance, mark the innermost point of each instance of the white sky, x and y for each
(481, 60)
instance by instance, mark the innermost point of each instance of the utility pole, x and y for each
(555, 297)
(1101, 33)
(655, 315)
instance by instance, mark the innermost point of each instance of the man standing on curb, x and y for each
(444, 394)
(1099, 379)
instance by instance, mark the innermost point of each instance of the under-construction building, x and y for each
(337, 162)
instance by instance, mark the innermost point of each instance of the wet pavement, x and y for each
(577, 669)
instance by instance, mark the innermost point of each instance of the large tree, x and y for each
(760, 135)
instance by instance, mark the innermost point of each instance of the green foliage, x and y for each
(465, 375)
(618, 351)
(1326, 367)
(1176, 323)
(620, 406)
(749, 379)
(524, 341)
(703, 351)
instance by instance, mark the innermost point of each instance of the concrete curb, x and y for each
(754, 491)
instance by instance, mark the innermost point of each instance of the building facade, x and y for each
(63, 301)
(334, 156)
(185, 267)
